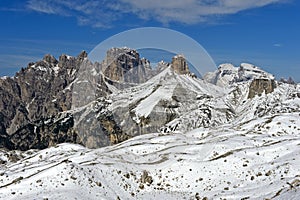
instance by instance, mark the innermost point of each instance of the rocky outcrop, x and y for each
(50, 59)
(125, 65)
(38, 92)
(179, 64)
(10, 103)
(44, 133)
(260, 86)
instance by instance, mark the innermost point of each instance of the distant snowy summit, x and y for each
(227, 74)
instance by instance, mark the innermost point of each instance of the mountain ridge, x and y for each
(164, 135)
(46, 115)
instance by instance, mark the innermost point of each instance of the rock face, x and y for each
(125, 65)
(179, 64)
(260, 86)
(36, 95)
(36, 105)
(43, 133)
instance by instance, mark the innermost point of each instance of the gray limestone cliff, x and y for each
(36, 94)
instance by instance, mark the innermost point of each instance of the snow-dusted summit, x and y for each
(228, 74)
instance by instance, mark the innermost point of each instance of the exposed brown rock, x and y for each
(50, 59)
(82, 56)
(117, 138)
(260, 86)
(125, 65)
(146, 178)
(179, 65)
(119, 61)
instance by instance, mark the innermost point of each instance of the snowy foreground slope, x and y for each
(254, 160)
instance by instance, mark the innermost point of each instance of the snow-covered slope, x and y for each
(254, 160)
(167, 102)
(170, 102)
(167, 87)
(227, 74)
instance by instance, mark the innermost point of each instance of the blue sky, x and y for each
(263, 32)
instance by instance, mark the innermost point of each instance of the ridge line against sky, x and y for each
(257, 31)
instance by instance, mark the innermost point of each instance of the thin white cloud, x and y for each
(191, 11)
(93, 13)
(277, 45)
(43, 7)
(103, 13)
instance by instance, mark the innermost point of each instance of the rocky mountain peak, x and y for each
(179, 64)
(83, 54)
(125, 65)
(248, 71)
(38, 93)
(50, 59)
(227, 74)
(117, 53)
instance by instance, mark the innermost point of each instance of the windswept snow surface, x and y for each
(254, 160)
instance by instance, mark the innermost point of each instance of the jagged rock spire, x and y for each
(179, 64)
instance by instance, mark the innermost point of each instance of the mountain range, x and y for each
(122, 129)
